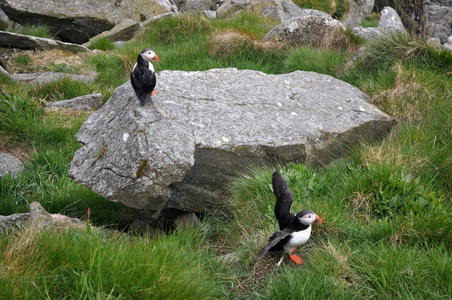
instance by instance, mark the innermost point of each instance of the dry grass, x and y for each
(226, 43)
(361, 206)
(21, 151)
(336, 39)
(403, 100)
(63, 117)
(344, 273)
(41, 60)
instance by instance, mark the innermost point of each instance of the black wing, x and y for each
(284, 200)
(143, 80)
(274, 240)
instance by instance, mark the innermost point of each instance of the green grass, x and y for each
(386, 206)
(81, 265)
(102, 43)
(38, 30)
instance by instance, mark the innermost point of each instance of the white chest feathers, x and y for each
(151, 67)
(298, 238)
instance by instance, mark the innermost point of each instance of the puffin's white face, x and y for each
(150, 55)
(310, 218)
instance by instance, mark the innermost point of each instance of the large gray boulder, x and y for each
(77, 21)
(213, 125)
(358, 10)
(310, 28)
(278, 9)
(22, 41)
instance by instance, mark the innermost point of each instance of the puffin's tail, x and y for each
(144, 97)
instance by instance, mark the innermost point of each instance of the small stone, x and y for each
(39, 216)
(10, 164)
(186, 221)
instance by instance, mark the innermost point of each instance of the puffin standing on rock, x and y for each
(143, 75)
(295, 230)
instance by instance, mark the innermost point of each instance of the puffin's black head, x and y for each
(308, 217)
(149, 54)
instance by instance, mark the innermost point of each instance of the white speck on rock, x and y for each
(125, 137)
(361, 108)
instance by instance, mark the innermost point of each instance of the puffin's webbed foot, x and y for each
(295, 258)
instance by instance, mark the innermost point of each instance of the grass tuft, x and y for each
(102, 43)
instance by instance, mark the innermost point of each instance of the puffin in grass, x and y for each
(295, 230)
(143, 75)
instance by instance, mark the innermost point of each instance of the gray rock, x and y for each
(388, 24)
(358, 10)
(39, 216)
(214, 125)
(3, 17)
(435, 42)
(3, 71)
(124, 31)
(157, 17)
(193, 6)
(189, 220)
(367, 33)
(47, 77)
(87, 103)
(12, 220)
(22, 41)
(438, 20)
(229, 258)
(281, 10)
(10, 164)
(210, 14)
(308, 29)
(447, 47)
(77, 21)
(142, 227)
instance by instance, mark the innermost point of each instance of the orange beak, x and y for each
(318, 220)
(156, 58)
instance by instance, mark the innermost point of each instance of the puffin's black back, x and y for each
(284, 200)
(143, 80)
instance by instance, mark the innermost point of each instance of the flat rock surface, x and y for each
(47, 77)
(10, 164)
(87, 103)
(22, 41)
(213, 125)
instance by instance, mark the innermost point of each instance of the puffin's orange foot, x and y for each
(154, 92)
(293, 250)
(295, 258)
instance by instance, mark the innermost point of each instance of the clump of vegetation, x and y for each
(386, 206)
(371, 20)
(38, 30)
(102, 43)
